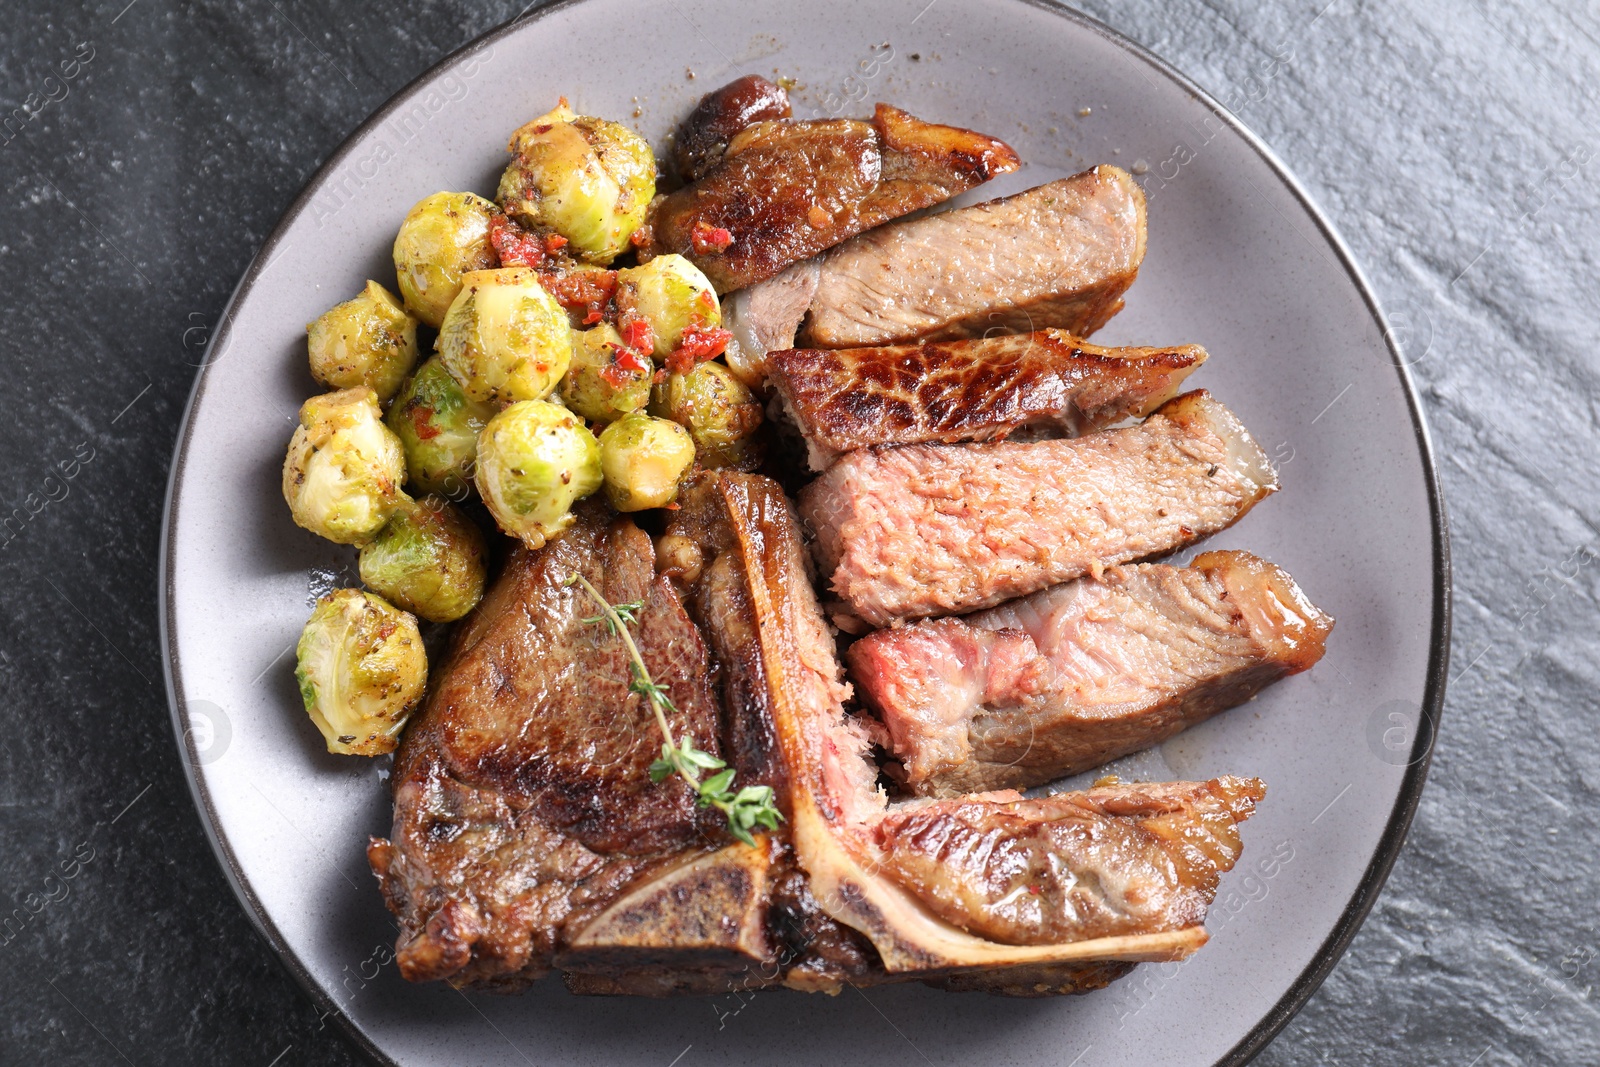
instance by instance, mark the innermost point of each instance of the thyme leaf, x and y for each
(747, 809)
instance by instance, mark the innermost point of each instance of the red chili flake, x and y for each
(585, 291)
(1034, 890)
(554, 243)
(699, 343)
(629, 359)
(422, 419)
(515, 246)
(636, 331)
(707, 238)
(543, 127)
(613, 375)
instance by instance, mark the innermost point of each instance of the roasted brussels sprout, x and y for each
(429, 560)
(362, 670)
(344, 468)
(718, 411)
(438, 427)
(584, 178)
(505, 338)
(443, 237)
(535, 460)
(672, 295)
(606, 379)
(642, 459)
(370, 340)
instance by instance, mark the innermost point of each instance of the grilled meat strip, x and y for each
(1048, 382)
(522, 795)
(1111, 861)
(943, 529)
(1079, 674)
(1058, 256)
(921, 882)
(784, 191)
(703, 137)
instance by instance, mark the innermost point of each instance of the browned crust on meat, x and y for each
(974, 390)
(786, 190)
(522, 795)
(1111, 861)
(703, 136)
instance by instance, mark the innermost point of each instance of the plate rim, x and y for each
(1390, 842)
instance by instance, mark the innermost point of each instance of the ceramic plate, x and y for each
(1239, 261)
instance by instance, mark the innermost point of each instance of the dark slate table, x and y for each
(1453, 145)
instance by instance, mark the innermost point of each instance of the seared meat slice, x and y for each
(942, 529)
(1050, 381)
(521, 792)
(1059, 255)
(764, 318)
(1113, 861)
(834, 808)
(785, 191)
(1079, 674)
(703, 136)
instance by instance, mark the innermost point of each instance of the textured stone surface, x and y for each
(1452, 144)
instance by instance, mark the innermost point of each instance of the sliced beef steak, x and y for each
(1048, 383)
(1081, 673)
(1060, 255)
(942, 529)
(527, 836)
(785, 190)
(879, 871)
(522, 793)
(1113, 861)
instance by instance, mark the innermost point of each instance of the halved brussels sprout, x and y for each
(505, 338)
(643, 459)
(535, 460)
(443, 237)
(584, 178)
(362, 669)
(718, 411)
(606, 380)
(366, 341)
(429, 560)
(671, 294)
(438, 427)
(344, 468)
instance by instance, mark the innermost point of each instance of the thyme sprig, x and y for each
(747, 808)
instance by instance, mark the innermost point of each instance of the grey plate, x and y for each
(1239, 261)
